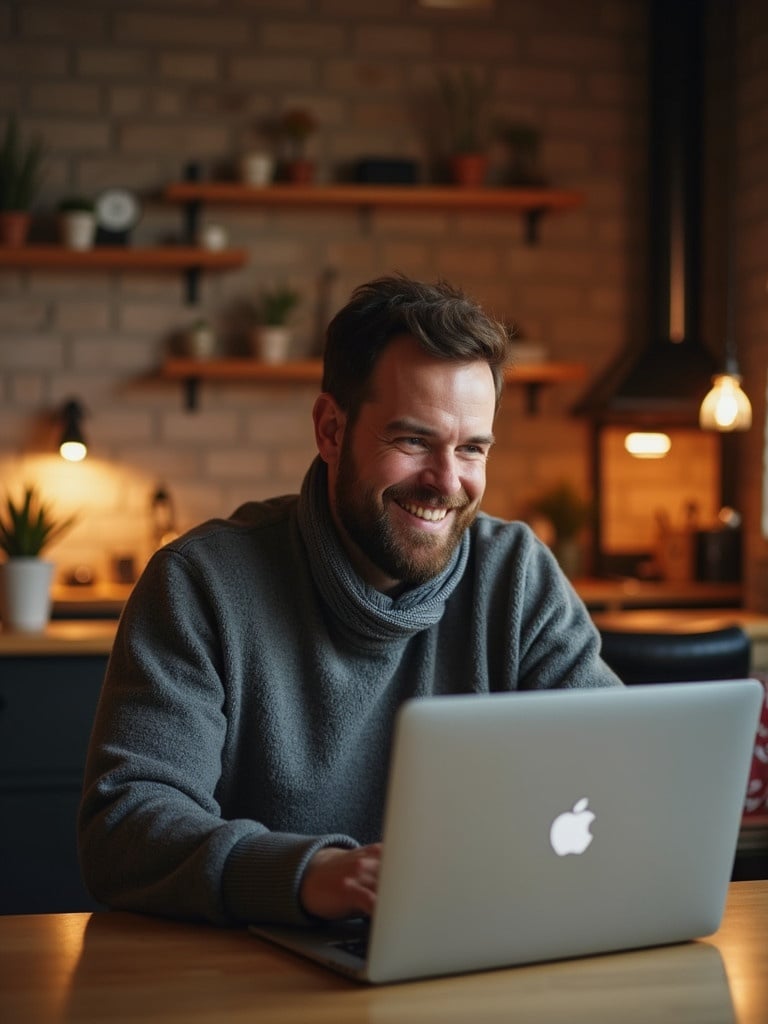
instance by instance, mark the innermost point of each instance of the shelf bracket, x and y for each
(191, 285)
(191, 393)
(532, 221)
(532, 393)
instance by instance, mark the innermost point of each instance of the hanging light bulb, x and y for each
(726, 407)
(72, 446)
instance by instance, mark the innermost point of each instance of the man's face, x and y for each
(407, 479)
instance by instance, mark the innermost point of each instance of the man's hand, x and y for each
(341, 883)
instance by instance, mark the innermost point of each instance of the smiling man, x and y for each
(238, 762)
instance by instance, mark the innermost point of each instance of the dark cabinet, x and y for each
(47, 705)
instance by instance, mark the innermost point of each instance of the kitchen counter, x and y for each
(106, 600)
(95, 636)
(76, 637)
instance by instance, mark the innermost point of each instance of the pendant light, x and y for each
(72, 445)
(726, 407)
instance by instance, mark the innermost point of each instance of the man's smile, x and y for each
(432, 515)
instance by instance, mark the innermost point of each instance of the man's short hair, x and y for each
(442, 319)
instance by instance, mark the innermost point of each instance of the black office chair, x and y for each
(677, 657)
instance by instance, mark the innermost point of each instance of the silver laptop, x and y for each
(542, 826)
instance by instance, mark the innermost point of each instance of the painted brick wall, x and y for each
(127, 93)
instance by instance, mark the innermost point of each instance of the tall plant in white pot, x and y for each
(26, 529)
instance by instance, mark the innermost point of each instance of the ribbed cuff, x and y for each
(262, 875)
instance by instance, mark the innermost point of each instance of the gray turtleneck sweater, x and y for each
(247, 712)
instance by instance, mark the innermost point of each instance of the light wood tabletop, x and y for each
(121, 968)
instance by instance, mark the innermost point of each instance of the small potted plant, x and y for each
(294, 128)
(272, 337)
(521, 142)
(257, 163)
(567, 514)
(26, 529)
(20, 179)
(77, 222)
(464, 97)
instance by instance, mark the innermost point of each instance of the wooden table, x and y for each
(117, 967)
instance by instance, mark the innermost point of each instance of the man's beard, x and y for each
(411, 556)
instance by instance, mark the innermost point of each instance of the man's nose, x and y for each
(442, 473)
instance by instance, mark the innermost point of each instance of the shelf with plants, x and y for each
(191, 372)
(529, 202)
(190, 259)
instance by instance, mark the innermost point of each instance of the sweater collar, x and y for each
(364, 612)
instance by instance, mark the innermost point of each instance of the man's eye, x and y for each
(413, 442)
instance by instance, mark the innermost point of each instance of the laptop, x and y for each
(523, 827)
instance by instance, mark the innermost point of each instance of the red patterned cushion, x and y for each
(757, 791)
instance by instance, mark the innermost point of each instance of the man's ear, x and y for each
(330, 421)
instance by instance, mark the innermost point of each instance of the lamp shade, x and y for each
(72, 445)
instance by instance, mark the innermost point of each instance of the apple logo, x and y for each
(570, 830)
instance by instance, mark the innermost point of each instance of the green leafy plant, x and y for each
(30, 526)
(76, 204)
(464, 96)
(20, 169)
(276, 304)
(295, 126)
(522, 142)
(564, 507)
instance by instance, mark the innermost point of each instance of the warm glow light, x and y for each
(73, 451)
(646, 445)
(725, 407)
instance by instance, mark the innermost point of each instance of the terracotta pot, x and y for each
(14, 227)
(300, 171)
(469, 169)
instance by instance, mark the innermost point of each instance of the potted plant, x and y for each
(20, 177)
(568, 514)
(257, 163)
(521, 142)
(464, 95)
(294, 128)
(272, 337)
(26, 529)
(77, 222)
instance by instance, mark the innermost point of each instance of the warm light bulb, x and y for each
(647, 445)
(725, 407)
(73, 451)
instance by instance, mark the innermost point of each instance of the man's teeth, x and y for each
(432, 515)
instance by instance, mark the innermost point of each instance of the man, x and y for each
(239, 756)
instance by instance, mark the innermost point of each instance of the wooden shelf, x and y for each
(529, 202)
(190, 259)
(170, 257)
(309, 371)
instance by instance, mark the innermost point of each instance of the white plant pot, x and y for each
(257, 168)
(78, 229)
(200, 342)
(272, 344)
(25, 594)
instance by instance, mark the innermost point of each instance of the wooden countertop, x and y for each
(95, 636)
(106, 599)
(126, 968)
(81, 636)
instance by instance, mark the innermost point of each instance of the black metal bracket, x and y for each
(532, 221)
(191, 393)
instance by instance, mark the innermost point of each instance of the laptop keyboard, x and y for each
(355, 947)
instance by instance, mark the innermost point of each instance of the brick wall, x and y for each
(126, 93)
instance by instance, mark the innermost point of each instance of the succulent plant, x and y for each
(20, 169)
(29, 527)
